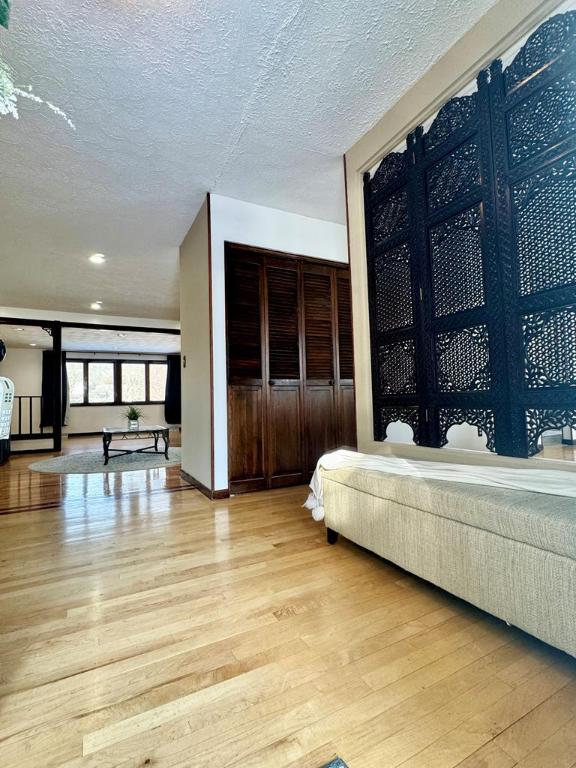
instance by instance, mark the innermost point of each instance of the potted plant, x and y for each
(133, 415)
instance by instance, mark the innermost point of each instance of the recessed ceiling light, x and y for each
(33, 345)
(97, 258)
(96, 305)
(18, 329)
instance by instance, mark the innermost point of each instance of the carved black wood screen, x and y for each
(471, 235)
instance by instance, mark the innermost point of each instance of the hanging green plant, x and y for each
(4, 13)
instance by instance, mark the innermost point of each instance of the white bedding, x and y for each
(551, 481)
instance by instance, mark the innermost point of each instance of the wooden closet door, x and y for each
(345, 381)
(284, 378)
(319, 342)
(246, 393)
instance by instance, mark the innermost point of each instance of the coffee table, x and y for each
(120, 433)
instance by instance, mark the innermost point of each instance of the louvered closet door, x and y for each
(245, 370)
(345, 380)
(319, 337)
(284, 379)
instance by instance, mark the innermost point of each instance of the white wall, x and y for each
(91, 418)
(234, 221)
(195, 340)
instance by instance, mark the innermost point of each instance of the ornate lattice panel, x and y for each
(457, 269)
(539, 420)
(463, 360)
(457, 174)
(452, 117)
(471, 240)
(480, 418)
(552, 40)
(393, 287)
(407, 415)
(543, 120)
(390, 171)
(550, 348)
(398, 368)
(391, 216)
(545, 218)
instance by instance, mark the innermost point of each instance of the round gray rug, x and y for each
(92, 462)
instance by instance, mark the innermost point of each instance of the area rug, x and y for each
(338, 763)
(91, 462)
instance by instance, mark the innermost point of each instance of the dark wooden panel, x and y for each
(243, 319)
(318, 324)
(321, 426)
(245, 439)
(283, 325)
(284, 435)
(345, 340)
(347, 417)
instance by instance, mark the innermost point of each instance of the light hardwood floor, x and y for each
(142, 625)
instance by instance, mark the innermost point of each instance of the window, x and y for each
(133, 382)
(116, 382)
(158, 373)
(75, 373)
(101, 383)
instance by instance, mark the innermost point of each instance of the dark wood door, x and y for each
(290, 366)
(345, 368)
(319, 342)
(284, 436)
(246, 438)
(246, 394)
(284, 374)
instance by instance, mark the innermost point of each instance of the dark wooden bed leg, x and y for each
(331, 536)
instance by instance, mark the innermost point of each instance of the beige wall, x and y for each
(196, 340)
(24, 368)
(499, 29)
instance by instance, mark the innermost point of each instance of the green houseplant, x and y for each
(133, 415)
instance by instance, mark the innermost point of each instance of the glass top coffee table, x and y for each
(155, 433)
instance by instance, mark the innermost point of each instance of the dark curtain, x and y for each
(173, 402)
(49, 362)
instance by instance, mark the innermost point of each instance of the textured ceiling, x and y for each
(253, 99)
(91, 340)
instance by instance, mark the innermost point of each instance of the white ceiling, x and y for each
(173, 98)
(91, 340)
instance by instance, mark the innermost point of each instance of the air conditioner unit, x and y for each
(6, 403)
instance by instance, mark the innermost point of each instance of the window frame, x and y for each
(117, 363)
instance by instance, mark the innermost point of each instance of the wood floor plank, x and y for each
(558, 751)
(488, 756)
(141, 624)
(542, 722)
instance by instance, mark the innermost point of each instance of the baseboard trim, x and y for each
(212, 495)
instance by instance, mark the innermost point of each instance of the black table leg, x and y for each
(166, 442)
(106, 445)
